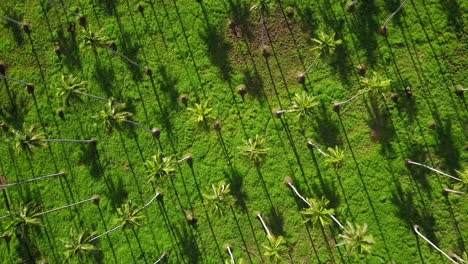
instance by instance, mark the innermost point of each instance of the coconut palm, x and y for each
(416, 229)
(254, 149)
(317, 212)
(72, 89)
(334, 157)
(220, 198)
(202, 113)
(384, 28)
(80, 245)
(276, 247)
(356, 239)
(113, 116)
(94, 39)
(160, 166)
(28, 139)
(302, 105)
(130, 215)
(21, 220)
(324, 48)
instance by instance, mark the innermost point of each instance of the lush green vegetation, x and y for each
(296, 131)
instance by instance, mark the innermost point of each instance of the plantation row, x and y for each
(359, 154)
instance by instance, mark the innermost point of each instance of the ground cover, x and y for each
(210, 128)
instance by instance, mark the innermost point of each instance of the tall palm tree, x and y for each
(410, 162)
(72, 89)
(160, 166)
(302, 104)
(28, 139)
(318, 213)
(254, 149)
(93, 39)
(19, 221)
(220, 198)
(334, 157)
(202, 113)
(113, 116)
(384, 29)
(6, 185)
(324, 48)
(79, 245)
(416, 229)
(356, 239)
(276, 247)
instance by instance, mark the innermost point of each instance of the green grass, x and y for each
(200, 57)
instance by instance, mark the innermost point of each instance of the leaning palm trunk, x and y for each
(93, 96)
(94, 199)
(14, 80)
(11, 20)
(64, 8)
(337, 105)
(384, 27)
(31, 180)
(416, 227)
(138, 125)
(228, 248)
(5, 216)
(311, 65)
(267, 231)
(454, 191)
(163, 255)
(432, 169)
(69, 140)
(316, 147)
(122, 56)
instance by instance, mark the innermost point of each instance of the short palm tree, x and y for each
(254, 149)
(220, 198)
(160, 166)
(356, 239)
(113, 116)
(21, 220)
(79, 245)
(72, 89)
(302, 104)
(202, 113)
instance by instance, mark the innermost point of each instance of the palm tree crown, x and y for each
(356, 239)
(129, 215)
(326, 44)
(94, 39)
(317, 212)
(202, 112)
(220, 198)
(335, 157)
(375, 84)
(262, 7)
(303, 104)
(19, 221)
(79, 245)
(113, 115)
(28, 139)
(71, 89)
(160, 166)
(254, 149)
(275, 249)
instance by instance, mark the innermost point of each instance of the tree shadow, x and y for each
(446, 146)
(382, 129)
(276, 221)
(327, 189)
(130, 50)
(366, 28)
(116, 193)
(454, 17)
(236, 182)
(104, 76)
(327, 130)
(15, 29)
(90, 157)
(341, 63)
(239, 15)
(218, 49)
(168, 84)
(307, 17)
(70, 51)
(254, 83)
(417, 152)
(410, 214)
(187, 243)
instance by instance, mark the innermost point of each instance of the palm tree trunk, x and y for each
(296, 192)
(138, 125)
(394, 13)
(64, 8)
(432, 169)
(13, 79)
(93, 96)
(337, 105)
(122, 56)
(12, 20)
(31, 180)
(69, 140)
(267, 231)
(454, 191)
(416, 227)
(105, 233)
(163, 255)
(228, 248)
(5, 216)
(319, 150)
(150, 201)
(312, 64)
(92, 199)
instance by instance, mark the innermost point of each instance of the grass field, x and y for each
(204, 51)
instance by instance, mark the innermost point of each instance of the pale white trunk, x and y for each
(434, 170)
(31, 180)
(432, 244)
(267, 231)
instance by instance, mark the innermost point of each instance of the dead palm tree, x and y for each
(79, 245)
(356, 239)
(416, 229)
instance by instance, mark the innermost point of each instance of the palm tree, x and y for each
(384, 30)
(6, 185)
(79, 245)
(276, 247)
(302, 104)
(94, 39)
(113, 115)
(21, 220)
(202, 113)
(356, 239)
(220, 198)
(72, 89)
(25, 26)
(160, 166)
(334, 157)
(410, 162)
(129, 216)
(254, 149)
(318, 213)
(28, 139)
(374, 86)
(324, 49)
(81, 19)
(416, 229)
(462, 186)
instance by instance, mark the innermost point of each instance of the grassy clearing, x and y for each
(193, 51)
